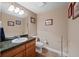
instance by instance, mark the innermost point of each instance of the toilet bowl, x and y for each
(39, 46)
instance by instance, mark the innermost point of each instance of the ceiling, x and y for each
(39, 7)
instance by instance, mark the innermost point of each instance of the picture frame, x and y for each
(75, 10)
(18, 22)
(33, 20)
(10, 23)
(49, 22)
(70, 10)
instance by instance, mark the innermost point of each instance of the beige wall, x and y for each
(73, 37)
(62, 25)
(53, 34)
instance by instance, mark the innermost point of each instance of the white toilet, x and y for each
(39, 45)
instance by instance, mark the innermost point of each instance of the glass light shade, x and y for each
(11, 8)
(16, 10)
(21, 12)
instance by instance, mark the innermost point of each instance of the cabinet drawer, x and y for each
(13, 51)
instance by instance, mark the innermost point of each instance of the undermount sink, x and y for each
(19, 40)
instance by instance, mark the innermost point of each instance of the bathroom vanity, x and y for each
(24, 49)
(0, 53)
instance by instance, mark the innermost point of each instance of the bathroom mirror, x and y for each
(7, 14)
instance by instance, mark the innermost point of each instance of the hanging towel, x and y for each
(2, 35)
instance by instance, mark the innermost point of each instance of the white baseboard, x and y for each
(54, 50)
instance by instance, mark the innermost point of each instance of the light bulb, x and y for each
(11, 8)
(21, 12)
(16, 10)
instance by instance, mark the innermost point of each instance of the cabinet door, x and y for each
(30, 50)
(0, 54)
(13, 52)
(21, 54)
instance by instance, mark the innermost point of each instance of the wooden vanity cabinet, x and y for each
(16, 51)
(30, 49)
(0, 54)
(21, 54)
(25, 50)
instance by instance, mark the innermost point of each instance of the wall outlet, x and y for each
(47, 43)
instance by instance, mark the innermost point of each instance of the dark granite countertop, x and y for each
(5, 45)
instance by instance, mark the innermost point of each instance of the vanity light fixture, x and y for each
(21, 12)
(11, 8)
(16, 10)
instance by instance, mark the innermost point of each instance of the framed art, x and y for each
(18, 22)
(10, 23)
(49, 22)
(75, 10)
(33, 20)
(70, 10)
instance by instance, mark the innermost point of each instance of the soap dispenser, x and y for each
(2, 35)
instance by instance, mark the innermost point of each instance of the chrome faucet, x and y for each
(16, 37)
